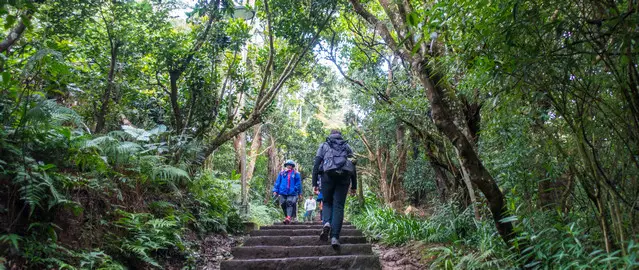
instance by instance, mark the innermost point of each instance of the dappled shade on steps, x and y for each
(297, 246)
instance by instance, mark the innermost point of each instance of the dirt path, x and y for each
(213, 249)
(408, 257)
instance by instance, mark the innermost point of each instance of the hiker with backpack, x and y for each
(288, 186)
(337, 171)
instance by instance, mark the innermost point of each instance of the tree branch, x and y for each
(381, 28)
(15, 33)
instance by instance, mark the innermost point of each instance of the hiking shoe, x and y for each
(287, 220)
(326, 230)
(335, 243)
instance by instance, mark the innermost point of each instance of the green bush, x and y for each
(568, 246)
(465, 243)
(48, 159)
(394, 228)
(264, 214)
(145, 234)
(209, 199)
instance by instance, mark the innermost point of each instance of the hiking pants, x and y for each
(309, 215)
(288, 202)
(334, 189)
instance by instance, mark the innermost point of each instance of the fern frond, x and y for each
(159, 223)
(141, 253)
(99, 142)
(167, 173)
(162, 204)
(50, 112)
(127, 148)
(121, 135)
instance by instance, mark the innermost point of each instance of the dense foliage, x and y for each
(501, 133)
(531, 120)
(117, 119)
(455, 240)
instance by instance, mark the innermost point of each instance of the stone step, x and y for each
(305, 263)
(298, 240)
(314, 223)
(271, 252)
(303, 232)
(301, 227)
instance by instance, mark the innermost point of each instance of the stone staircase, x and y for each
(297, 246)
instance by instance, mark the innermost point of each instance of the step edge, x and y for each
(263, 246)
(304, 258)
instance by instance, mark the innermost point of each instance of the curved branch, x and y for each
(15, 33)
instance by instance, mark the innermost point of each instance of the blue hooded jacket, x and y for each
(288, 183)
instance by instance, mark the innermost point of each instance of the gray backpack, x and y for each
(335, 159)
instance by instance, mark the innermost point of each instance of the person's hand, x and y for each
(274, 193)
(353, 192)
(316, 190)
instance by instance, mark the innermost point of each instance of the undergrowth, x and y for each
(79, 201)
(458, 241)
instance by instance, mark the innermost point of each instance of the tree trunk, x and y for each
(382, 156)
(237, 145)
(471, 190)
(616, 219)
(243, 179)
(550, 193)
(469, 159)
(360, 190)
(565, 195)
(439, 166)
(174, 76)
(106, 96)
(603, 222)
(397, 178)
(441, 181)
(256, 144)
(273, 166)
(432, 83)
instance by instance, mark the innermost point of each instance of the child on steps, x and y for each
(309, 206)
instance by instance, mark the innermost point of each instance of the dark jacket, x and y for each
(331, 141)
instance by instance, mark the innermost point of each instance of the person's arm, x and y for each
(350, 152)
(316, 165)
(298, 183)
(277, 183)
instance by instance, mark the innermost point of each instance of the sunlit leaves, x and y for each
(297, 21)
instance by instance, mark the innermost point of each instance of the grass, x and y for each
(455, 240)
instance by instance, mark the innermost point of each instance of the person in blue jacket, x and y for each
(289, 187)
(320, 203)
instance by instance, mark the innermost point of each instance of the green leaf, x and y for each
(26, 20)
(6, 77)
(412, 18)
(11, 238)
(509, 219)
(9, 20)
